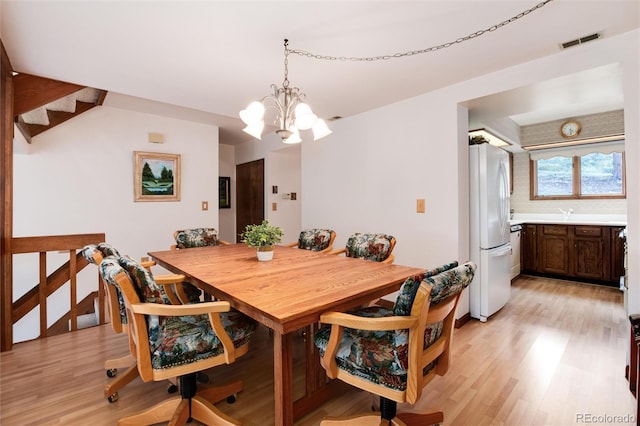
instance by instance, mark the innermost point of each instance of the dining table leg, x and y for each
(283, 379)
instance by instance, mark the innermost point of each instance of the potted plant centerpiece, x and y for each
(262, 237)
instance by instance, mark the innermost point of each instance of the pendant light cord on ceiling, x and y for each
(417, 52)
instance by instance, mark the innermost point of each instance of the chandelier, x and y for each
(293, 114)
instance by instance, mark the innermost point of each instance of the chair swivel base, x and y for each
(375, 419)
(121, 380)
(176, 410)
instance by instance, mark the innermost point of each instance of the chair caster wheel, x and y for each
(202, 378)
(172, 388)
(113, 398)
(231, 399)
(112, 372)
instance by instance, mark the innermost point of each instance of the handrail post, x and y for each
(73, 290)
(42, 294)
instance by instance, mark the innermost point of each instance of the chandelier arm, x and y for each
(435, 48)
(284, 101)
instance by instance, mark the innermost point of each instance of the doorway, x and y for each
(249, 195)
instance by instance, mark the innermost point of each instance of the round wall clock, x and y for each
(570, 129)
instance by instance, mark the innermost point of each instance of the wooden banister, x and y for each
(66, 273)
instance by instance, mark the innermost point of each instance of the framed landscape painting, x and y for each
(156, 176)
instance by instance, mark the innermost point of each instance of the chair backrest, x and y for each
(376, 247)
(116, 276)
(196, 237)
(434, 303)
(95, 253)
(145, 286)
(316, 239)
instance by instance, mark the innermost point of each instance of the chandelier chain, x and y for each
(413, 52)
(285, 83)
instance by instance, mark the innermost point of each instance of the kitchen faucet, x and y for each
(565, 214)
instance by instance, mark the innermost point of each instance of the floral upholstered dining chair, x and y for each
(375, 247)
(197, 237)
(394, 351)
(315, 239)
(95, 253)
(178, 340)
(193, 238)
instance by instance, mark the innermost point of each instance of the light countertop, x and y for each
(572, 219)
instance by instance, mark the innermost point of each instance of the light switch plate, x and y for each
(420, 205)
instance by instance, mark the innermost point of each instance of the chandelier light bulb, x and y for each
(253, 113)
(305, 118)
(255, 129)
(320, 129)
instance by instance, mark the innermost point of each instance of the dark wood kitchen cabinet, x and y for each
(553, 249)
(585, 252)
(528, 248)
(591, 252)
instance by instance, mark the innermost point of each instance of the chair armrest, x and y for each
(180, 310)
(148, 264)
(389, 259)
(169, 279)
(172, 284)
(173, 247)
(342, 250)
(293, 244)
(224, 243)
(367, 323)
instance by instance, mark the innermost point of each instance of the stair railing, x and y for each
(48, 284)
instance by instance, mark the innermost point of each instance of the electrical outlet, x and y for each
(205, 205)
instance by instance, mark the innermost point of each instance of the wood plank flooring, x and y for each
(553, 356)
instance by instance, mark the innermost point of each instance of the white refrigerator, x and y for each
(490, 246)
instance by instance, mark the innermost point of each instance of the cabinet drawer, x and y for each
(588, 231)
(554, 230)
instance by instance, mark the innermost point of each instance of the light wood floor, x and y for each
(557, 351)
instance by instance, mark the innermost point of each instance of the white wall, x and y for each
(284, 172)
(367, 175)
(78, 178)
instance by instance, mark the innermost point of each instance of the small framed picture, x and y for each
(224, 192)
(156, 176)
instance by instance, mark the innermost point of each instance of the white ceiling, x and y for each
(215, 57)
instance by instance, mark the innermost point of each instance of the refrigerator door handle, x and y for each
(504, 196)
(501, 251)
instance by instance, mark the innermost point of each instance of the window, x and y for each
(579, 172)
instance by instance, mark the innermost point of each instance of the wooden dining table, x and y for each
(287, 294)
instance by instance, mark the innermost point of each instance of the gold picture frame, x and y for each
(156, 176)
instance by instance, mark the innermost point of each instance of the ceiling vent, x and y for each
(581, 40)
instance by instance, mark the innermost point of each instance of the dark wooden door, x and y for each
(249, 195)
